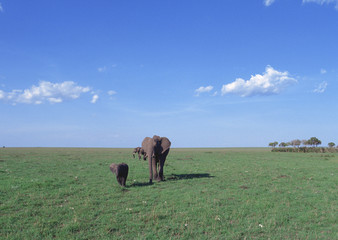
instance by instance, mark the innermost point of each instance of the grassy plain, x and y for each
(66, 193)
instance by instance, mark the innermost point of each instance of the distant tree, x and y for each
(283, 144)
(314, 141)
(273, 144)
(296, 143)
(331, 144)
(318, 142)
(305, 142)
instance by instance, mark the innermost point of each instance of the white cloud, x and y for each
(45, 92)
(111, 92)
(95, 98)
(105, 68)
(321, 2)
(55, 100)
(323, 71)
(1, 8)
(271, 82)
(102, 69)
(268, 2)
(321, 87)
(203, 90)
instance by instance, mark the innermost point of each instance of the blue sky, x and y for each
(237, 73)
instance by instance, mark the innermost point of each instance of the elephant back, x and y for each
(123, 169)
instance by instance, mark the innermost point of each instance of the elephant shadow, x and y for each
(141, 184)
(174, 177)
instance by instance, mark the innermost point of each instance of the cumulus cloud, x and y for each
(111, 92)
(321, 2)
(105, 68)
(321, 87)
(102, 69)
(323, 71)
(271, 82)
(95, 98)
(203, 90)
(55, 100)
(45, 92)
(268, 2)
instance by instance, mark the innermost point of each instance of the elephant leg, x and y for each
(162, 161)
(123, 181)
(155, 163)
(119, 180)
(161, 170)
(125, 177)
(150, 161)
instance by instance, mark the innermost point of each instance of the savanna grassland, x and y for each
(65, 193)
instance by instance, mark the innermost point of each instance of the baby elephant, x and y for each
(121, 172)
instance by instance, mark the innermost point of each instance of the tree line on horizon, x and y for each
(310, 145)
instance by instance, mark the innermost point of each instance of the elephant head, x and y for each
(162, 144)
(156, 149)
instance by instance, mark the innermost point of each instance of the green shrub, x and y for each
(306, 150)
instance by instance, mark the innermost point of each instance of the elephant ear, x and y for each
(165, 143)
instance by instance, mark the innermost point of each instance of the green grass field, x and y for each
(49, 193)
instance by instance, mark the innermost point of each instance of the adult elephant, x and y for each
(156, 150)
(140, 152)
